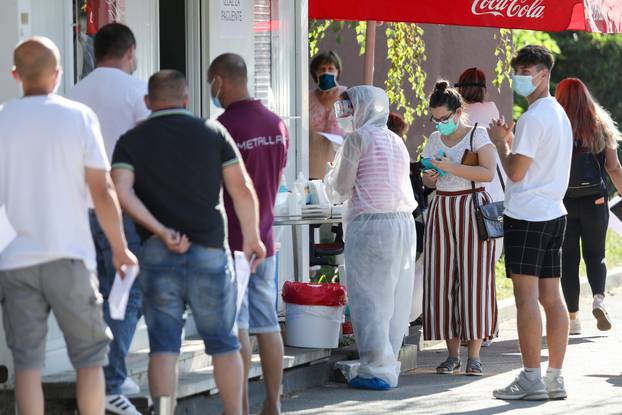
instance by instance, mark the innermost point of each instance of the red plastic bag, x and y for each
(302, 293)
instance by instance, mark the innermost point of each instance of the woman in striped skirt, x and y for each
(459, 277)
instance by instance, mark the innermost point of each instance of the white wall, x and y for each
(225, 35)
(142, 17)
(53, 19)
(9, 35)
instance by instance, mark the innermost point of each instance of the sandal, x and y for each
(474, 367)
(448, 366)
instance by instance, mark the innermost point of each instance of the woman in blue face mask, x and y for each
(459, 300)
(325, 70)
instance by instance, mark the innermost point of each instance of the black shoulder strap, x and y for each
(498, 169)
(500, 177)
(472, 134)
(475, 200)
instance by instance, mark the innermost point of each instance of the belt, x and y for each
(460, 192)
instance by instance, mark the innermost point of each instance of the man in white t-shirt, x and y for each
(52, 156)
(538, 169)
(118, 100)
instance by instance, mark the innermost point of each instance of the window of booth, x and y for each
(89, 16)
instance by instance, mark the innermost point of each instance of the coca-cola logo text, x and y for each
(532, 9)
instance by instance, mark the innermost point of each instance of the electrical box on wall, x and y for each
(24, 19)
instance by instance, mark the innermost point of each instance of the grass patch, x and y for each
(613, 253)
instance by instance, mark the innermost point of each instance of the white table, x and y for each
(295, 222)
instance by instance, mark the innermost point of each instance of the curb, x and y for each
(507, 308)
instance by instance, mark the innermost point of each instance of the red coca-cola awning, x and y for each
(545, 15)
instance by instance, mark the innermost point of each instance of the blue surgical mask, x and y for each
(448, 127)
(523, 85)
(327, 81)
(217, 103)
(215, 99)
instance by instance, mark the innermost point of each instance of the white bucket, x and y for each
(313, 326)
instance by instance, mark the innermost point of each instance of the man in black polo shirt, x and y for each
(169, 173)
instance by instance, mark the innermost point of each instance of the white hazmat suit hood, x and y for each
(371, 176)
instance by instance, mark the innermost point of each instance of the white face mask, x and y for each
(346, 124)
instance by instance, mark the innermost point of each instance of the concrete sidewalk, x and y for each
(592, 371)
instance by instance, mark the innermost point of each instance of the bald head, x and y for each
(36, 61)
(167, 88)
(228, 66)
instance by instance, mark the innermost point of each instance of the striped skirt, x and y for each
(459, 298)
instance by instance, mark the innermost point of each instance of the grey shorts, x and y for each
(67, 288)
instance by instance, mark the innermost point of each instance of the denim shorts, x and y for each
(258, 311)
(201, 280)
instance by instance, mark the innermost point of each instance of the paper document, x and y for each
(242, 274)
(120, 292)
(335, 138)
(614, 222)
(7, 232)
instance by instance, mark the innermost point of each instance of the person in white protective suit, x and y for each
(371, 175)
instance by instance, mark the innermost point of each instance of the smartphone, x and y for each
(327, 81)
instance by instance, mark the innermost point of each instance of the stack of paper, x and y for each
(120, 292)
(243, 274)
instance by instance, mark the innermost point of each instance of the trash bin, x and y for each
(313, 314)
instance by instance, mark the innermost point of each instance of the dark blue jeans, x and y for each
(122, 330)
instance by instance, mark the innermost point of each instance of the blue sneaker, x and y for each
(369, 383)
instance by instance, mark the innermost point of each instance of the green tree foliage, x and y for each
(405, 52)
(596, 59)
(523, 38)
(503, 52)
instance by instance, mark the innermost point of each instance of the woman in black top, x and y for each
(595, 155)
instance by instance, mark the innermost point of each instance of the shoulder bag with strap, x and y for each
(489, 217)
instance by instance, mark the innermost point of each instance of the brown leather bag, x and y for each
(470, 158)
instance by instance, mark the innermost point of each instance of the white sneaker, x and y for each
(119, 404)
(598, 310)
(130, 387)
(574, 326)
(523, 389)
(555, 387)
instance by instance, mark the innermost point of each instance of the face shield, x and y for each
(344, 111)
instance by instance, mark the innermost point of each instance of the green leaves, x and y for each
(503, 52)
(523, 38)
(406, 54)
(317, 32)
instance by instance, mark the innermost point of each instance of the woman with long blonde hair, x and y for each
(594, 157)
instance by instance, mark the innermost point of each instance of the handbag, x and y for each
(489, 216)
(585, 175)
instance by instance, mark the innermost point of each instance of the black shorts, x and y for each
(533, 248)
